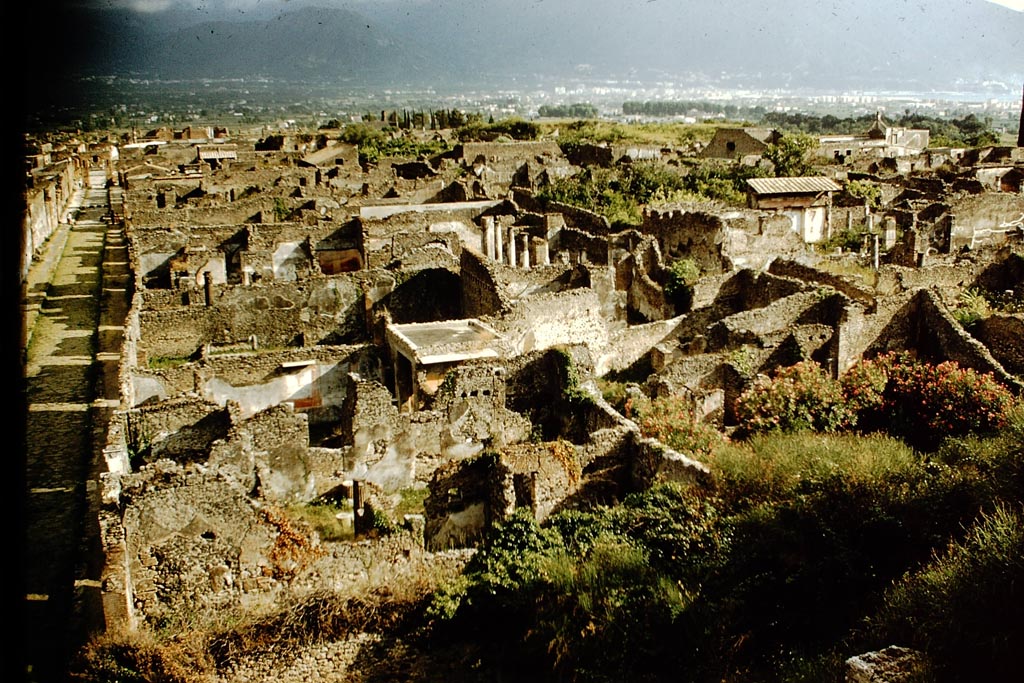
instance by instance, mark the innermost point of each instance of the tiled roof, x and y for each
(803, 185)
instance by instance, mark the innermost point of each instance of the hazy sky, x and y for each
(248, 5)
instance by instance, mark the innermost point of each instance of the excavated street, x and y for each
(74, 305)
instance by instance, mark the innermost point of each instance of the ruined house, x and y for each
(806, 201)
(739, 144)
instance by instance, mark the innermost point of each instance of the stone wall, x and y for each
(794, 269)
(482, 294)
(313, 379)
(546, 320)
(322, 311)
(723, 240)
(629, 345)
(575, 217)
(467, 498)
(940, 337)
(268, 453)
(191, 542)
(181, 429)
(396, 450)
(46, 206)
(1003, 335)
(985, 220)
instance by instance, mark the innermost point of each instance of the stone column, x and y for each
(499, 244)
(489, 236)
(526, 252)
(208, 287)
(539, 247)
(512, 247)
(889, 227)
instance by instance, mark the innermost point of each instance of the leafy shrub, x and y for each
(917, 401)
(929, 402)
(966, 608)
(973, 307)
(797, 397)
(672, 421)
(682, 275)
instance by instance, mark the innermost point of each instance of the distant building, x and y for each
(806, 201)
(739, 143)
(880, 141)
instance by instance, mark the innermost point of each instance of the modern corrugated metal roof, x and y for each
(803, 185)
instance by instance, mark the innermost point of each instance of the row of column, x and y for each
(519, 250)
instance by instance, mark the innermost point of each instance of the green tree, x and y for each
(790, 155)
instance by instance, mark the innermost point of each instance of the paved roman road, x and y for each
(75, 302)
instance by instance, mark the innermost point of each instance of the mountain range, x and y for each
(869, 44)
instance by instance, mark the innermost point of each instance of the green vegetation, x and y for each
(323, 518)
(691, 108)
(791, 154)
(568, 111)
(683, 274)
(967, 131)
(918, 402)
(167, 362)
(621, 192)
(866, 191)
(505, 130)
(805, 549)
(411, 501)
(375, 143)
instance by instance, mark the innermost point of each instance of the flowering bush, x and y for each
(917, 401)
(671, 420)
(929, 402)
(797, 397)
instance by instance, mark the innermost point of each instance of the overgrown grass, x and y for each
(323, 518)
(167, 362)
(950, 608)
(411, 501)
(777, 466)
(770, 574)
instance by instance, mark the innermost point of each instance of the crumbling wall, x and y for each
(646, 296)
(751, 326)
(1003, 336)
(396, 450)
(181, 429)
(325, 311)
(314, 380)
(466, 498)
(985, 220)
(722, 240)
(268, 453)
(546, 320)
(581, 246)
(575, 217)
(629, 345)
(654, 462)
(940, 337)
(192, 541)
(482, 295)
(544, 475)
(794, 269)
(425, 295)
